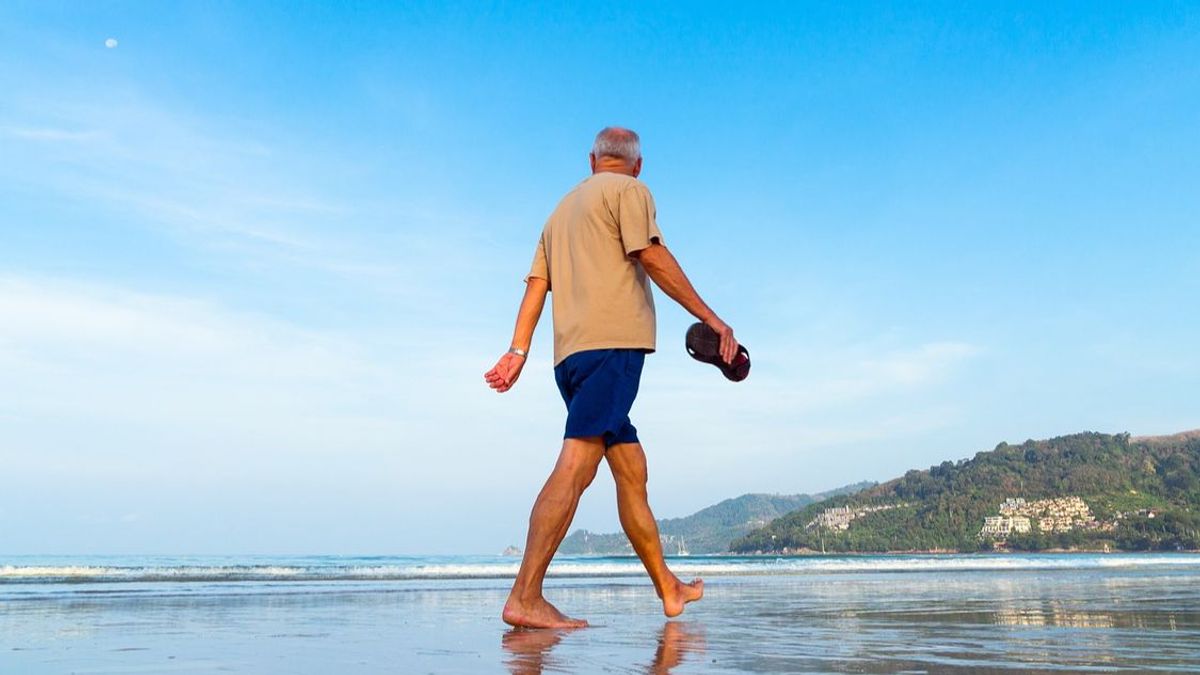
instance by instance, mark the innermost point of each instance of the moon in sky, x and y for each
(110, 43)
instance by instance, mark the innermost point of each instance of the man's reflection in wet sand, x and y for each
(529, 651)
(676, 640)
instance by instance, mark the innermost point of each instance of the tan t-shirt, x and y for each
(601, 296)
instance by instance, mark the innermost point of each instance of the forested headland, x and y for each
(1137, 494)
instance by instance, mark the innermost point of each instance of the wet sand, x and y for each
(853, 622)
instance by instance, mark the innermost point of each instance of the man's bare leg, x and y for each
(628, 464)
(548, 525)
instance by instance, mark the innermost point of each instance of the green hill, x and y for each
(710, 530)
(1089, 490)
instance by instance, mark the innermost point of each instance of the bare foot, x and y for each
(679, 594)
(537, 614)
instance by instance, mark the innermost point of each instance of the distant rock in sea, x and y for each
(511, 551)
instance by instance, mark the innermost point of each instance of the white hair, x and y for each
(617, 142)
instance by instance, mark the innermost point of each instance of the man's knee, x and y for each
(583, 473)
(632, 483)
(628, 463)
(580, 460)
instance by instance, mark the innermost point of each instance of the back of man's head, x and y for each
(617, 143)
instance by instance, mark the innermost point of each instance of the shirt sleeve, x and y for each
(635, 217)
(539, 269)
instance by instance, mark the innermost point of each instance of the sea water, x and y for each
(440, 614)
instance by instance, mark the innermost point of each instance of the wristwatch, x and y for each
(519, 352)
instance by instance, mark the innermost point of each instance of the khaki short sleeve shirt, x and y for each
(601, 296)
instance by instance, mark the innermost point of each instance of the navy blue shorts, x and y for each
(599, 386)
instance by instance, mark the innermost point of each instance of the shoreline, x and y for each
(1069, 619)
(806, 553)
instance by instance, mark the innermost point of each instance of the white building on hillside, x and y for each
(998, 527)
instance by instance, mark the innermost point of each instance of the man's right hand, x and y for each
(504, 374)
(729, 346)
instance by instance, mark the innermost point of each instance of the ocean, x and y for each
(440, 614)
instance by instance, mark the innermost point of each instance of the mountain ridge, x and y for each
(709, 530)
(1081, 491)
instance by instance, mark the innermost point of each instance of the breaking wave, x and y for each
(310, 569)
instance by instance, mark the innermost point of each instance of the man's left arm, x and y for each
(504, 374)
(643, 242)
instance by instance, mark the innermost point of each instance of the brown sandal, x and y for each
(704, 345)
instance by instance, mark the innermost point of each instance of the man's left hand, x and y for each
(504, 375)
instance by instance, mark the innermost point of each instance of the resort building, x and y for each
(1060, 514)
(839, 518)
(1012, 506)
(998, 527)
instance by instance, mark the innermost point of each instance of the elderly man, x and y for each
(594, 255)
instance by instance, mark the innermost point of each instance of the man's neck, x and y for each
(617, 166)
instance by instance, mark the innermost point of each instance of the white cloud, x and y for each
(175, 175)
(792, 382)
(104, 381)
(110, 43)
(906, 368)
(107, 357)
(52, 135)
(238, 198)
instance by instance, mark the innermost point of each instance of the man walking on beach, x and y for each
(594, 255)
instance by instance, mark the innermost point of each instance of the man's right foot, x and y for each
(679, 594)
(537, 614)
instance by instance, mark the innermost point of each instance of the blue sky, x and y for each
(254, 259)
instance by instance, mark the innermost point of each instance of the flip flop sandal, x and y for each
(704, 345)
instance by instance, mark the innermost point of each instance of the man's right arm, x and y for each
(504, 374)
(664, 269)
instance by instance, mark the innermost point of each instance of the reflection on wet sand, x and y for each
(1054, 616)
(530, 652)
(676, 640)
(1047, 621)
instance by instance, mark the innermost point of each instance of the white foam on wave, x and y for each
(579, 568)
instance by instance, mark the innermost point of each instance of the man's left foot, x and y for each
(679, 594)
(537, 613)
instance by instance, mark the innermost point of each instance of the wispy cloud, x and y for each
(167, 168)
(897, 370)
(185, 331)
(52, 135)
(219, 188)
(231, 386)
(156, 369)
(847, 375)
(798, 407)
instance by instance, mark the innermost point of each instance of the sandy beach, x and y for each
(1057, 613)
